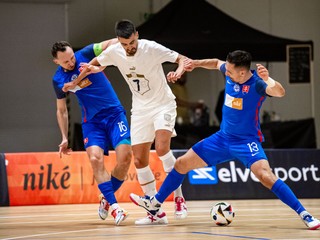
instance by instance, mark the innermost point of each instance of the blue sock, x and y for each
(106, 189)
(284, 193)
(171, 183)
(116, 183)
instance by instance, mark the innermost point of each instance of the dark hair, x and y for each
(125, 28)
(60, 46)
(240, 58)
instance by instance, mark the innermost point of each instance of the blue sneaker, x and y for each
(311, 222)
(146, 202)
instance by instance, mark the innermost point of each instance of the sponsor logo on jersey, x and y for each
(84, 83)
(232, 102)
(85, 141)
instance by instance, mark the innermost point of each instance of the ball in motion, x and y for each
(222, 213)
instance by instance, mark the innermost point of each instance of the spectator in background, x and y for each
(188, 112)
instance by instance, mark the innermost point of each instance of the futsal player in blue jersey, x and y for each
(104, 122)
(240, 135)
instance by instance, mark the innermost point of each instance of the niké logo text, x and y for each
(47, 179)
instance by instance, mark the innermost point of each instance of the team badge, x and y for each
(167, 117)
(236, 88)
(245, 89)
(74, 76)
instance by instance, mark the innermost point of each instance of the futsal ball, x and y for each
(222, 213)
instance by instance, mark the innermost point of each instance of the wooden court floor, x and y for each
(255, 219)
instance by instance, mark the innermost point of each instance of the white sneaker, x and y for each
(311, 222)
(119, 215)
(146, 202)
(103, 207)
(180, 208)
(152, 220)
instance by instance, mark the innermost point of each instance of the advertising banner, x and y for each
(44, 178)
(298, 168)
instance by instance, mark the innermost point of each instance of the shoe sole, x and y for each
(102, 217)
(180, 216)
(315, 227)
(123, 217)
(154, 223)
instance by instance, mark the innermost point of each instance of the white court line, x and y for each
(45, 215)
(53, 233)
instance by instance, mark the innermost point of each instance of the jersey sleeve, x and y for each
(261, 87)
(59, 93)
(89, 51)
(162, 53)
(223, 68)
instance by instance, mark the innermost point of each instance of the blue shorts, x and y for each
(106, 130)
(219, 148)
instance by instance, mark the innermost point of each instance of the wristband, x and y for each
(270, 82)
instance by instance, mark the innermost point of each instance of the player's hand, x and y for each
(63, 148)
(88, 69)
(173, 76)
(68, 86)
(188, 64)
(262, 72)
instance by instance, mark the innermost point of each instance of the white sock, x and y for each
(168, 161)
(147, 181)
(115, 206)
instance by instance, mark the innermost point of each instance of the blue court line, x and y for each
(178, 233)
(227, 235)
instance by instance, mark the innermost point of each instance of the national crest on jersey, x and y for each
(245, 89)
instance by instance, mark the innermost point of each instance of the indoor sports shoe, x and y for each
(103, 207)
(153, 220)
(119, 215)
(180, 208)
(146, 203)
(311, 222)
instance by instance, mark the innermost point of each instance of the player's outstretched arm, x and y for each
(212, 63)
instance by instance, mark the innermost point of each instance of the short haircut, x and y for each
(125, 28)
(60, 46)
(240, 58)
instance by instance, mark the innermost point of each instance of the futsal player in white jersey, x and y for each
(153, 110)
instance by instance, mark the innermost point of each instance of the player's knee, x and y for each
(267, 178)
(162, 150)
(181, 166)
(127, 156)
(95, 159)
(139, 162)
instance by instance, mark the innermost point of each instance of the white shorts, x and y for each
(145, 124)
